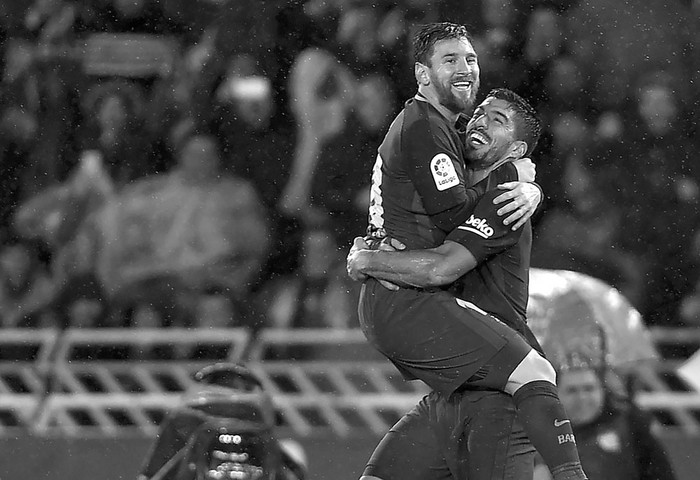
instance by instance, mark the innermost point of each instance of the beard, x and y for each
(480, 159)
(453, 102)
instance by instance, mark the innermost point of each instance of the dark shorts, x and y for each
(441, 340)
(472, 435)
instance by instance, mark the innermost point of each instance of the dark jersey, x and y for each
(499, 283)
(419, 173)
(621, 444)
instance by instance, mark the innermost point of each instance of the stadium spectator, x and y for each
(321, 90)
(581, 231)
(658, 161)
(615, 438)
(19, 126)
(318, 294)
(336, 188)
(114, 127)
(26, 289)
(222, 248)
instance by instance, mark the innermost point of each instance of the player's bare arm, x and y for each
(415, 268)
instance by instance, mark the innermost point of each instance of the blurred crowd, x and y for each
(206, 162)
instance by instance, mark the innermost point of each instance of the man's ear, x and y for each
(518, 149)
(421, 73)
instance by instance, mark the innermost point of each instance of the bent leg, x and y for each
(531, 381)
(533, 368)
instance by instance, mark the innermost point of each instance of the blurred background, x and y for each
(181, 180)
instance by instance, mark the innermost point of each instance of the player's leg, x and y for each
(497, 446)
(533, 386)
(484, 441)
(522, 372)
(447, 343)
(410, 450)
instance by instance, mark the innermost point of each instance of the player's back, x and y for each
(418, 161)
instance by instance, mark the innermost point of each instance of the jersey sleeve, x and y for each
(436, 169)
(483, 233)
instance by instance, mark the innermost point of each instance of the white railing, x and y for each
(338, 384)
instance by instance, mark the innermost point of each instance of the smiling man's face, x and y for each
(490, 132)
(454, 74)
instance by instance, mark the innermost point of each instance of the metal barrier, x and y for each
(25, 358)
(109, 380)
(333, 378)
(121, 378)
(79, 414)
(338, 396)
(27, 346)
(94, 345)
(302, 415)
(676, 342)
(667, 396)
(345, 414)
(17, 412)
(312, 344)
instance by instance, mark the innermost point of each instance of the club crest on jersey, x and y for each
(477, 225)
(444, 173)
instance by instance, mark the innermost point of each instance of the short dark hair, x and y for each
(527, 122)
(429, 34)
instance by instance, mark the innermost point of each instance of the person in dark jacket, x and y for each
(615, 438)
(224, 429)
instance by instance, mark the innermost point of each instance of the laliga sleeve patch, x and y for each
(444, 173)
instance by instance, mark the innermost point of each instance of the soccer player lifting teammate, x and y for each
(473, 336)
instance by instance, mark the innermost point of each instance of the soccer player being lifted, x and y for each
(458, 321)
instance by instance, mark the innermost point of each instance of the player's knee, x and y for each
(534, 367)
(369, 477)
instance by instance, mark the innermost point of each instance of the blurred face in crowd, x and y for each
(200, 156)
(85, 313)
(581, 190)
(112, 113)
(581, 391)
(18, 58)
(544, 35)
(358, 28)
(452, 74)
(564, 81)
(19, 126)
(214, 311)
(373, 103)
(490, 132)
(318, 253)
(15, 263)
(129, 8)
(570, 131)
(497, 13)
(248, 92)
(657, 107)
